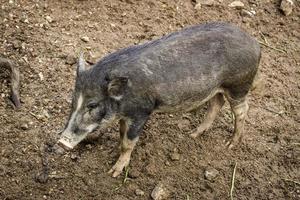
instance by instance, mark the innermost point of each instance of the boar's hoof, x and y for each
(121, 164)
(116, 170)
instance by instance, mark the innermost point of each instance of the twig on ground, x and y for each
(35, 116)
(232, 181)
(56, 176)
(124, 180)
(126, 175)
(273, 111)
(264, 38)
(274, 48)
(270, 110)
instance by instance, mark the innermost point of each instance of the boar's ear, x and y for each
(81, 64)
(116, 87)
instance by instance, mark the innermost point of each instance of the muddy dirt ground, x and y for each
(44, 39)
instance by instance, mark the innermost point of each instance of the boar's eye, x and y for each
(92, 105)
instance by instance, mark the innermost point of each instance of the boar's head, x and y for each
(95, 103)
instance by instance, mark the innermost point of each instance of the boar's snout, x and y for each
(64, 146)
(65, 143)
(68, 139)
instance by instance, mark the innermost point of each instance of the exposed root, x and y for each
(271, 47)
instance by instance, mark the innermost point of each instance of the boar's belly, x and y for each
(181, 104)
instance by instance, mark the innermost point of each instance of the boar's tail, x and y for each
(257, 82)
(15, 80)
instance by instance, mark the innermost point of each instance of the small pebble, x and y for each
(237, 4)
(159, 192)
(246, 13)
(175, 156)
(74, 157)
(198, 6)
(287, 7)
(85, 39)
(45, 114)
(49, 19)
(24, 126)
(139, 192)
(41, 76)
(211, 173)
(206, 2)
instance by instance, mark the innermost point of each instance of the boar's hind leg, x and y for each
(215, 104)
(129, 135)
(239, 108)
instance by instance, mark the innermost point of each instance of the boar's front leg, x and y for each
(129, 135)
(215, 105)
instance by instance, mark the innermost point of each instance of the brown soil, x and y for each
(268, 160)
